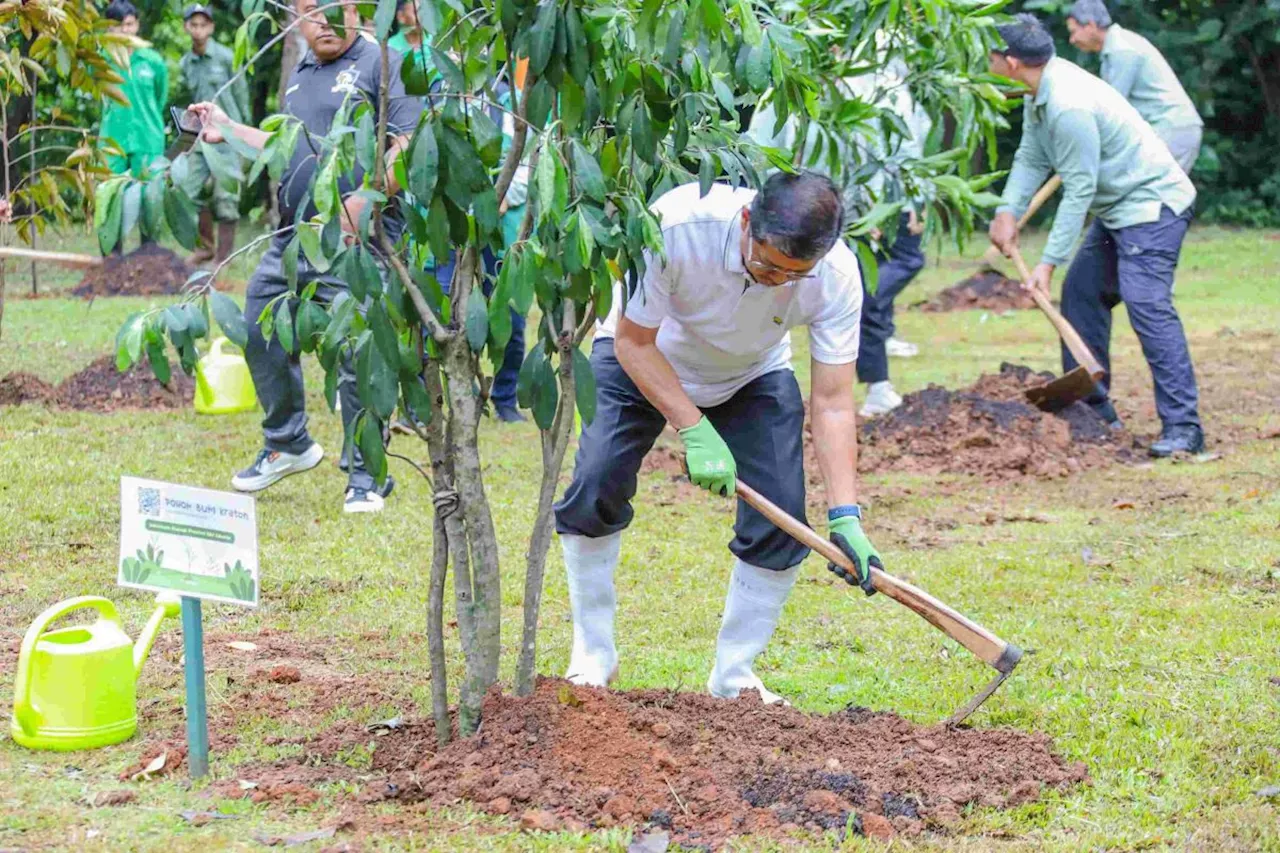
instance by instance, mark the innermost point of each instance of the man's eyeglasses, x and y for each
(763, 267)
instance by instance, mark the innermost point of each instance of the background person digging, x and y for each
(334, 71)
(206, 68)
(1138, 71)
(705, 346)
(1114, 166)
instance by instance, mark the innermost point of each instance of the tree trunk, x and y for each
(445, 504)
(555, 443)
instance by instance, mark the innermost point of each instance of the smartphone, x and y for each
(187, 122)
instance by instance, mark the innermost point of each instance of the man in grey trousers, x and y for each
(1137, 70)
(335, 71)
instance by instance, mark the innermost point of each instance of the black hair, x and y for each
(801, 214)
(118, 10)
(1026, 40)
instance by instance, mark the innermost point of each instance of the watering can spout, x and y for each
(167, 605)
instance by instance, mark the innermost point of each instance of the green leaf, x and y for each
(159, 362)
(546, 393)
(325, 188)
(371, 446)
(706, 173)
(312, 323)
(642, 136)
(197, 323)
(377, 380)
(415, 75)
(587, 174)
(129, 342)
(454, 79)
(416, 398)
(153, 207)
(870, 266)
(542, 96)
(230, 318)
(723, 93)
(225, 169)
(584, 385)
(750, 27)
(542, 37)
(106, 214)
(424, 165)
(477, 321)
(500, 314)
(758, 66)
(544, 179)
(341, 312)
(525, 379)
(183, 218)
(383, 18)
(578, 44)
(284, 325)
(488, 137)
(289, 262)
(384, 334)
(366, 132)
(309, 238)
(438, 229)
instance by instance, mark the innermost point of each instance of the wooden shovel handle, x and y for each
(68, 258)
(992, 256)
(993, 650)
(1079, 349)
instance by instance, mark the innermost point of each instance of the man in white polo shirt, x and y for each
(704, 345)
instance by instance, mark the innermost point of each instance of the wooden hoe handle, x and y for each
(1079, 349)
(1042, 195)
(993, 650)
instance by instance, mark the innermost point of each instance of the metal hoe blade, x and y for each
(1057, 394)
(1008, 661)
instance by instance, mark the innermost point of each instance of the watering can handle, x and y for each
(215, 349)
(27, 714)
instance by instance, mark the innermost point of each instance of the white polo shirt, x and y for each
(718, 328)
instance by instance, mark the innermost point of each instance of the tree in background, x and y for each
(621, 101)
(1227, 55)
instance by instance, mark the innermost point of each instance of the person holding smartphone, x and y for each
(206, 70)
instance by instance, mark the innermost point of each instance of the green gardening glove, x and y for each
(844, 523)
(708, 459)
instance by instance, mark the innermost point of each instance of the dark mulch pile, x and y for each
(987, 290)
(18, 387)
(988, 429)
(149, 270)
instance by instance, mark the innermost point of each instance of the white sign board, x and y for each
(195, 542)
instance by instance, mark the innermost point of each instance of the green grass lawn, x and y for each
(1151, 597)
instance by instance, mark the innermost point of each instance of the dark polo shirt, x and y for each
(316, 92)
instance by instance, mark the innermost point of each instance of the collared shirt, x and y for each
(1141, 74)
(1112, 163)
(316, 92)
(205, 74)
(139, 127)
(718, 328)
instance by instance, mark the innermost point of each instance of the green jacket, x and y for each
(1137, 70)
(139, 127)
(1111, 162)
(205, 74)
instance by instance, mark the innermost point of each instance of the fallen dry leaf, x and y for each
(242, 646)
(156, 765)
(119, 797)
(196, 818)
(1122, 504)
(1252, 493)
(246, 785)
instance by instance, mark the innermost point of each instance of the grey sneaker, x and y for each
(272, 466)
(1178, 439)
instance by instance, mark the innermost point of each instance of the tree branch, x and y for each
(516, 153)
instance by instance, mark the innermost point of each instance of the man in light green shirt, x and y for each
(1114, 166)
(1138, 71)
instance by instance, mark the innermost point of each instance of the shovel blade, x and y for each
(1057, 394)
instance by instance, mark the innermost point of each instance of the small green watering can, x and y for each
(76, 687)
(223, 383)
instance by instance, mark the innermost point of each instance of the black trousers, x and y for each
(898, 267)
(762, 424)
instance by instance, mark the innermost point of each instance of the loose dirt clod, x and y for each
(987, 429)
(102, 388)
(18, 387)
(149, 270)
(987, 290)
(727, 768)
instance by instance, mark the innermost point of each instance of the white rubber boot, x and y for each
(589, 564)
(751, 610)
(881, 398)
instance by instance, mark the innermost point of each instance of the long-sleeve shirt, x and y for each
(139, 127)
(1141, 74)
(1112, 163)
(204, 74)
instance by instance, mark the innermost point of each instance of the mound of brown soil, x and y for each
(707, 769)
(987, 290)
(17, 388)
(987, 429)
(102, 388)
(149, 270)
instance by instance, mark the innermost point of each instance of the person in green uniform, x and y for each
(206, 68)
(137, 129)
(410, 41)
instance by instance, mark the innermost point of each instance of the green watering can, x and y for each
(223, 383)
(76, 687)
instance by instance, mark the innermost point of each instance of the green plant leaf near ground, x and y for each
(1154, 651)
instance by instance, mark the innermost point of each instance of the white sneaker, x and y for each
(896, 348)
(368, 500)
(272, 466)
(751, 610)
(881, 398)
(589, 564)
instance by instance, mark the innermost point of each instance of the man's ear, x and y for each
(746, 218)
